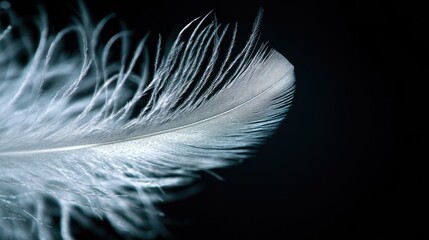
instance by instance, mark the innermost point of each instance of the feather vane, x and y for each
(105, 136)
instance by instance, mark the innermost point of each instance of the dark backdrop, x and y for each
(345, 163)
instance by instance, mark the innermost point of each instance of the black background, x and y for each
(346, 162)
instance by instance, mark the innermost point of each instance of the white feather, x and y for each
(73, 127)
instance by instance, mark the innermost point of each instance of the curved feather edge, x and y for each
(102, 137)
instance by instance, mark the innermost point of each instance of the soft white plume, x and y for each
(101, 137)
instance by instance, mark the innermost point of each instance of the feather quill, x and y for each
(103, 137)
